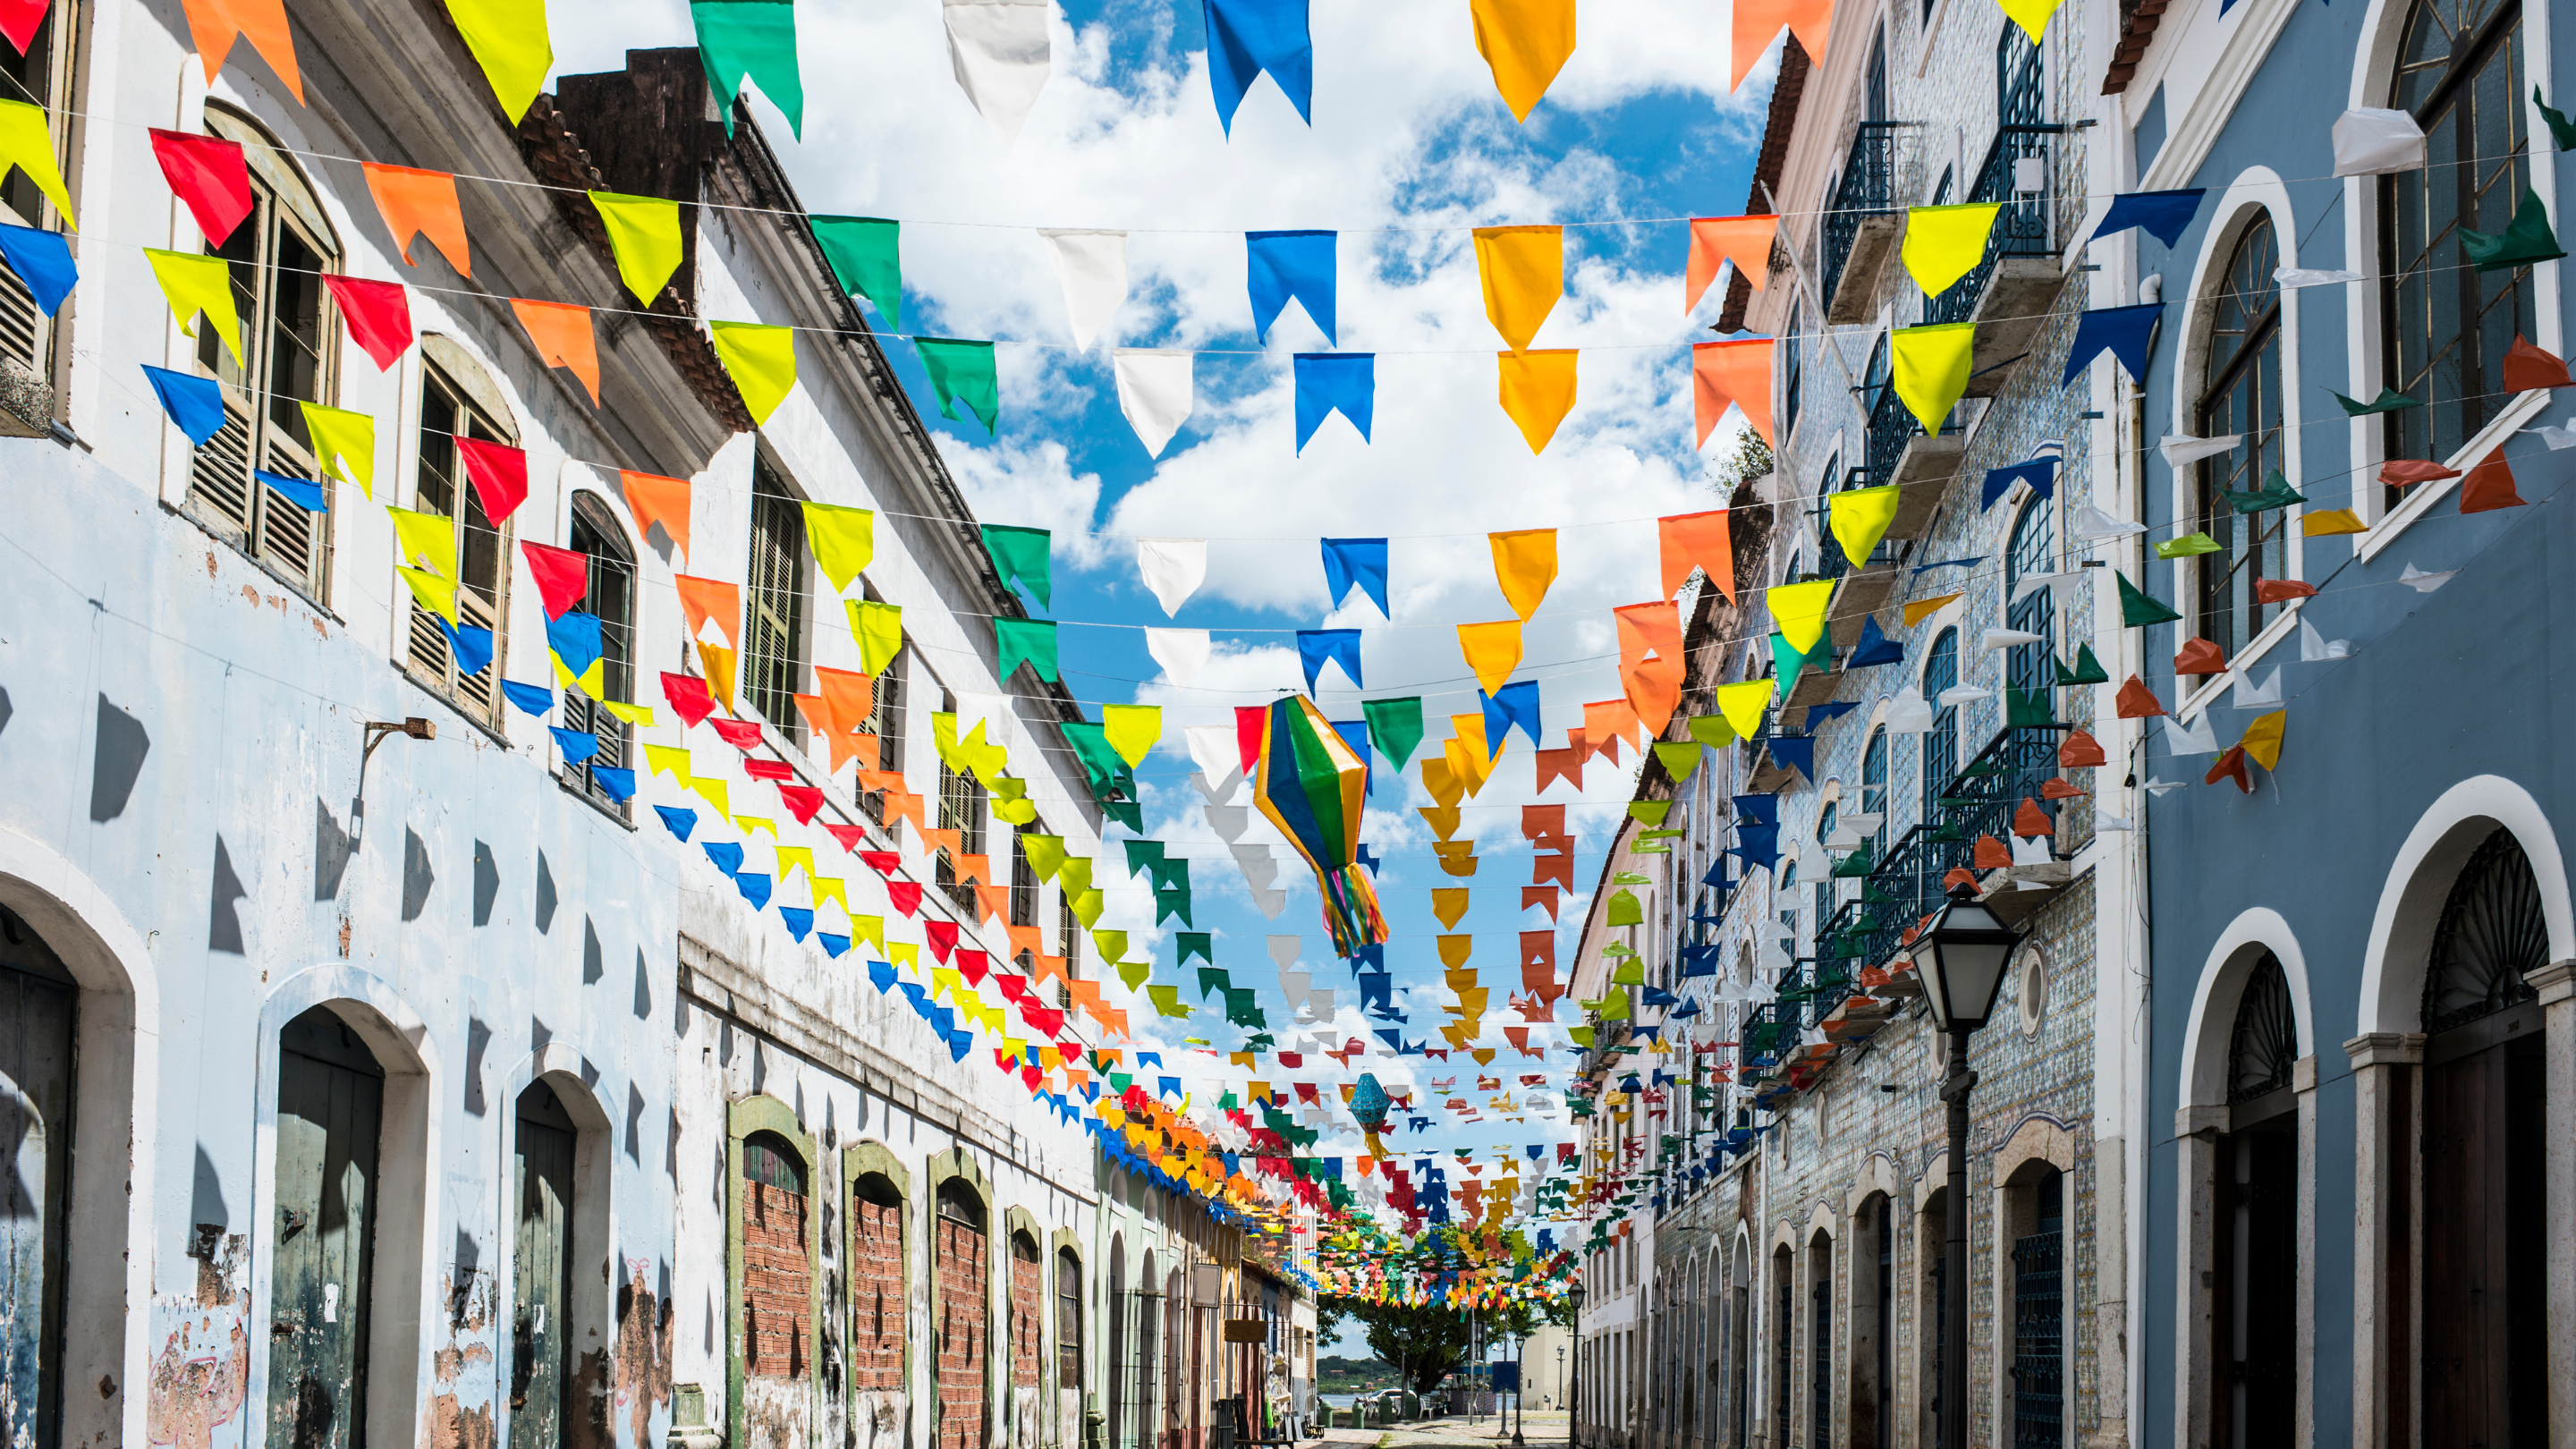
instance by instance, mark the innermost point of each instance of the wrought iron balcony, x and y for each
(2025, 228)
(1867, 189)
(1892, 425)
(1981, 798)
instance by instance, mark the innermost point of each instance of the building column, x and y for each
(2384, 1373)
(2303, 1421)
(2556, 983)
(2196, 1298)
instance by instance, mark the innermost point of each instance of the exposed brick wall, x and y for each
(1028, 1297)
(876, 1297)
(777, 1284)
(963, 1323)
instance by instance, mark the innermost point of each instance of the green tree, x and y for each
(1422, 1344)
(1748, 459)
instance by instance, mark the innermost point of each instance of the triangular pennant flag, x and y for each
(843, 540)
(344, 442)
(2527, 240)
(212, 24)
(1522, 269)
(1331, 382)
(1525, 43)
(1859, 518)
(1742, 704)
(210, 175)
(195, 404)
(1132, 730)
(866, 257)
(962, 372)
(653, 499)
(436, 594)
(2164, 214)
(42, 260)
(1743, 240)
(1395, 726)
(1537, 391)
(754, 38)
(2137, 610)
(378, 315)
(644, 237)
(1731, 372)
(1156, 393)
(1758, 22)
(1930, 368)
(760, 358)
(1492, 651)
(702, 600)
(2124, 332)
(1945, 243)
(196, 283)
(416, 202)
(1000, 52)
(1524, 566)
(1247, 37)
(1092, 266)
(2032, 17)
(27, 142)
(508, 38)
(1799, 609)
(563, 337)
(562, 575)
(879, 630)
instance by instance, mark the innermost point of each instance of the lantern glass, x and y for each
(1961, 958)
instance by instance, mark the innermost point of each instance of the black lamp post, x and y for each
(1574, 1391)
(1960, 956)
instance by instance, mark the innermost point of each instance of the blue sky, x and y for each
(1410, 146)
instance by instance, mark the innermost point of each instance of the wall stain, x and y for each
(454, 1427)
(194, 1388)
(643, 1352)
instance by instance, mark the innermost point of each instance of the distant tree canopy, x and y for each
(1422, 1344)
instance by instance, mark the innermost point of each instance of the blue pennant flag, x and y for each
(574, 637)
(469, 645)
(195, 404)
(726, 854)
(800, 921)
(2163, 213)
(881, 976)
(1875, 648)
(615, 782)
(1716, 878)
(577, 745)
(1366, 857)
(1377, 997)
(1700, 960)
(1757, 845)
(1280, 265)
(302, 492)
(1315, 647)
(533, 699)
(1330, 382)
(2039, 473)
(2126, 332)
(1819, 715)
(42, 260)
(1688, 1010)
(680, 821)
(1356, 561)
(1247, 37)
(1948, 563)
(1368, 959)
(833, 945)
(754, 886)
(1757, 809)
(959, 1042)
(1515, 707)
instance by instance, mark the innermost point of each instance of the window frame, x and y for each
(419, 629)
(775, 545)
(2257, 364)
(590, 511)
(59, 37)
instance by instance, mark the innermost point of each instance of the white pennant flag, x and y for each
(1260, 868)
(1284, 949)
(999, 49)
(2422, 582)
(2245, 695)
(2105, 820)
(1909, 713)
(2195, 738)
(1994, 639)
(1214, 794)
(1173, 568)
(2316, 648)
(1154, 391)
(2093, 525)
(1320, 1002)
(2296, 277)
(2369, 141)
(1270, 903)
(2181, 449)
(1959, 694)
(1294, 984)
(1214, 749)
(1181, 652)
(1228, 821)
(1093, 267)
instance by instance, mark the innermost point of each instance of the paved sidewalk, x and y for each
(1541, 1431)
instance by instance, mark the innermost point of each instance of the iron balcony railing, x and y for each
(2025, 228)
(1981, 798)
(1830, 562)
(1867, 188)
(1891, 426)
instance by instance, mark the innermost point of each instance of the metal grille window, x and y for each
(39, 75)
(1820, 1345)
(2033, 551)
(961, 808)
(1873, 789)
(1068, 1320)
(1783, 1343)
(773, 654)
(2490, 937)
(2264, 1044)
(2243, 396)
(1941, 742)
(1793, 374)
(277, 257)
(885, 721)
(448, 411)
(611, 596)
(1024, 880)
(2459, 73)
(2039, 1323)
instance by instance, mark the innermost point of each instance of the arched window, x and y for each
(2033, 550)
(777, 1270)
(1941, 742)
(1873, 789)
(2252, 1258)
(877, 1311)
(959, 1345)
(2491, 935)
(1793, 374)
(2021, 81)
(2264, 1045)
(2460, 74)
(611, 596)
(459, 401)
(2039, 1317)
(1068, 1320)
(287, 350)
(2242, 394)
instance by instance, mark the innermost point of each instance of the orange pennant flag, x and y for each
(1697, 540)
(1743, 240)
(1605, 723)
(1757, 22)
(1654, 686)
(654, 499)
(563, 338)
(413, 201)
(1024, 940)
(992, 902)
(705, 599)
(2030, 820)
(851, 696)
(1731, 372)
(1565, 764)
(971, 867)
(1524, 565)
(1537, 389)
(212, 24)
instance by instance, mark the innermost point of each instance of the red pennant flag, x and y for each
(1249, 722)
(563, 576)
(1559, 868)
(1992, 854)
(848, 835)
(688, 697)
(2030, 820)
(2200, 656)
(742, 734)
(942, 936)
(499, 475)
(2059, 790)
(2525, 366)
(2489, 486)
(1540, 895)
(2407, 472)
(971, 962)
(19, 19)
(378, 315)
(2282, 591)
(904, 896)
(1563, 764)
(2136, 701)
(2231, 766)
(211, 175)
(769, 769)
(883, 862)
(801, 801)
(2079, 750)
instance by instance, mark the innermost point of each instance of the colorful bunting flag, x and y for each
(42, 260)
(1331, 382)
(1537, 390)
(1092, 267)
(753, 38)
(1492, 651)
(760, 358)
(1156, 393)
(1029, 641)
(1945, 243)
(195, 404)
(194, 282)
(562, 335)
(962, 372)
(345, 444)
(1743, 240)
(213, 24)
(1001, 54)
(210, 175)
(1731, 372)
(378, 316)
(1247, 37)
(1524, 565)
(508, 39)
(1522, 269)
(1525, 43)
(644, 237)
(423, 203)
(1930, 366)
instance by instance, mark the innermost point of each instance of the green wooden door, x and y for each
(330, 1107)
(539, 1340)
(35, 1179)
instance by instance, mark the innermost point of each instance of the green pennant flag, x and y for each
(2527, 240)
(2561, 130)
(1625, 910)
(1100, 763)
(2137, 609)
(1020, 557)
(1140, 854)
(1168, 904)
(1029, 641)
(755, 38)
(1680, 757)
(2187, 545)
(2276, 492)
(2027, 708)
(2087, 670)
(1395, 726)
(1241, 1009)
(1126, 812)
(866, 258)
(2389, 400)
(1787, 663)
(1195, 943)
(1213, 979)
(962, 372)
(1652, 812)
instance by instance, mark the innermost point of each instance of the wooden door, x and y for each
(540, 1341)
(2485, 1252)
(330, 1109)
(35, 1132)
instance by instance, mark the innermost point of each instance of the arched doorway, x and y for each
(38, 999)
(2254, 1222)
(2484, 1249)
(541, 1339)
(330, 1117)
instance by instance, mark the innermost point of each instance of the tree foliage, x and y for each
(1422, 1344)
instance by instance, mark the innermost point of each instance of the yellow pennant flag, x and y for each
(1742, 704)
(1859, 519)
(1525, 42)
(1045, 853)
(1449, 903)
(1132, 729)
(870, 929)
(762, 360)
(1445, 787)
(718, 663)
(1523, 269)
(828, 888)
(844, 541)
(1072, 874)
(671, 760)
(345, 442)
(1931, 368)
(1799, 610)
(436, 594)
(2327, 522)
(197, 283)
(1453, 954)
(2262, 739)
(2032, 17)
(1945, 243)
(644, 234)
(1713, 730)
(427, 540)
(1537, 391)
(27, 142)
(879, 629)
(592, 682)
(1922, 609)
(793, 857)
(638, 715)
(1086, 905)
(508, 38)
(714, 793)
(1492, 651)
(1524, 564)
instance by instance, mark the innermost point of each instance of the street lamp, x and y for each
(1960, 957)
(1574, 1394)
(1560, 1375)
